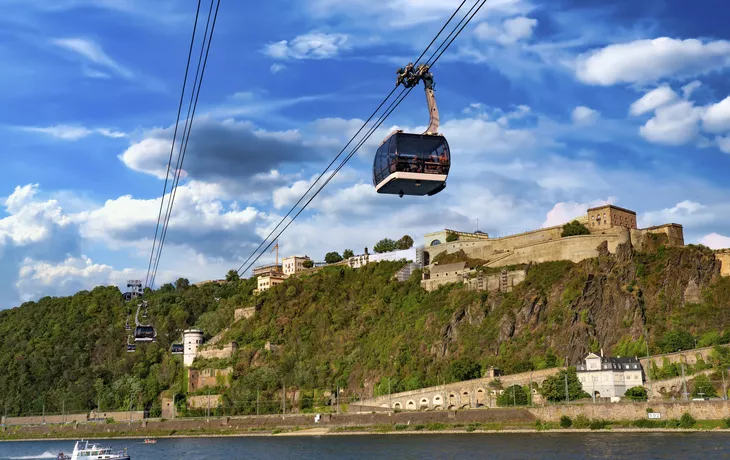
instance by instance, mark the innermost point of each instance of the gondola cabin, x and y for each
(131, 348)
(145, 334)
(411, 164)
(177, 349)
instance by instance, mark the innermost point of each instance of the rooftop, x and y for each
(610, 206)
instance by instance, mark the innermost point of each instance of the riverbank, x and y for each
(26, 434)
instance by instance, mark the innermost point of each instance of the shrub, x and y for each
(726, 421)
(636, 393)
(401, 427)
(687, 421)
(581, 421)
(451, 237)
(332, 257)
(598, 424)
(566, 422)
(574, 228)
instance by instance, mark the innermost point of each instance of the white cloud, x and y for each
(647, 61)
(564, 212)
(72, 133)
(673, 124)
(723, 143)
(314, 45)
(690, 88)
(92, 52)
(510, 31)
(652, 100)
(686, 212)
(717, 117)
(715, 241)
(276, 67)
(584, 115)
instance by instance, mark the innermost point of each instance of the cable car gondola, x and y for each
(177, 349)
(145, 334)
(409, 163)
(131, 348)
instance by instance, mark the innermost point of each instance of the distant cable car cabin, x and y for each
(131, 348)
(413, 164)
(177, 349)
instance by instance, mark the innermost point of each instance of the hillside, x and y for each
(356, 328)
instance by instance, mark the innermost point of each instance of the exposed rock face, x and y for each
(596, 303)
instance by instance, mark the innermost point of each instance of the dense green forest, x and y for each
(360, 330)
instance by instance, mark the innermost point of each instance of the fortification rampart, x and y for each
(723, 256)
(119, 416)
(39, 420)
(481, 392)
(689, 357)
(204, 401)
(225, 352)
(701, 410)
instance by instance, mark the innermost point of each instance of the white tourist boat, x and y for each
(82, 450)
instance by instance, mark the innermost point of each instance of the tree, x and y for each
(332, 257)
(451, 237)
(574, 228)
(565, 422)
(384, 245)
(636, 393)
(307, 264)
(404, 243)
(464, 369)
(512, 396)
(702, 384)
(347, 253)
(677, 340)
(232, 275)
(181, 284)
(553, 389)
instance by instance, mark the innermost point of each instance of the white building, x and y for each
(293, 264)
(192, 339)
(605, 377)
(266, 282)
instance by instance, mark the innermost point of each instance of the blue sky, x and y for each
(549, 108)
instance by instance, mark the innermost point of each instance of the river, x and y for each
(542, 446)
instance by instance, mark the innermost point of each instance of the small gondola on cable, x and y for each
(143, 332)
(409, 163)
(131, 348)
(177, 349)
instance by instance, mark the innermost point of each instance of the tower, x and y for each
(192, 339)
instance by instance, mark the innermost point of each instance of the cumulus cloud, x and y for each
(565, 212)
(673, 124)
(314, 45)
(686, 212)
(508, 32)
(677, 121)
(647, 61)
(715, 241)
(717, 117)
(652, 100)
(584, 115)
(237, 155)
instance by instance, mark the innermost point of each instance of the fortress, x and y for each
(610, 224)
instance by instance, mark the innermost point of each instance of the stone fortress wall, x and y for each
(608, 223)
(473, 393)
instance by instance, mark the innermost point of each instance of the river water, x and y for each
(528, 446)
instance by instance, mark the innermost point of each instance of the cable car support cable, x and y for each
(172, 146)
(350, 141)
(372, 130)
(188, 126)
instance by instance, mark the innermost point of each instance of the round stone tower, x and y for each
(192, 339)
